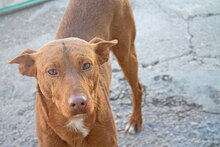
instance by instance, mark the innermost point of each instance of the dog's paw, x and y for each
(130, 129)
(133, 126)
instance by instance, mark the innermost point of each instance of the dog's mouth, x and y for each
(78, 115)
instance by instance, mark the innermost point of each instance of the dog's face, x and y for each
(67, 72)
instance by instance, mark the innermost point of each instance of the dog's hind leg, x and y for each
(127, 59)
(123, 29)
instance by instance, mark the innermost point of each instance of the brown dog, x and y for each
(73, 75)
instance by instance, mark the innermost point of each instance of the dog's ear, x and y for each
(102, 48)
(26, 63)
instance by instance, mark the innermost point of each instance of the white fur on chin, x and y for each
(78, 125)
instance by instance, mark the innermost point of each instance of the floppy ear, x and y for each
(26, 63)
(102, 48)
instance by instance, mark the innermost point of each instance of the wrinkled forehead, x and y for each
(66, 48)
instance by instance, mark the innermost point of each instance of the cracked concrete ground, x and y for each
(178, 48)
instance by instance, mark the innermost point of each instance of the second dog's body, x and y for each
(73, 75)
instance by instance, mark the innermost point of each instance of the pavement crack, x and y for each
(190, 34)
(178, 56)
(187, 23)
(184, 111)
(144, 65)
(215, 113)
(190, 18)
(203, 15)
(209, 57)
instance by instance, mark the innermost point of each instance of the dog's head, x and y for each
(67, 71)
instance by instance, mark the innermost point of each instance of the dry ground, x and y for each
(178, 47)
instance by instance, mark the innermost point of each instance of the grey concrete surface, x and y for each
(178, 47)
(6, 3)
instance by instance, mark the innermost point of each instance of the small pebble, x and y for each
(20, 112)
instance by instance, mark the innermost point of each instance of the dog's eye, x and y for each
(86, 66)
(52, 72)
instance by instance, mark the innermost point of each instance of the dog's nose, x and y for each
(77, 104)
